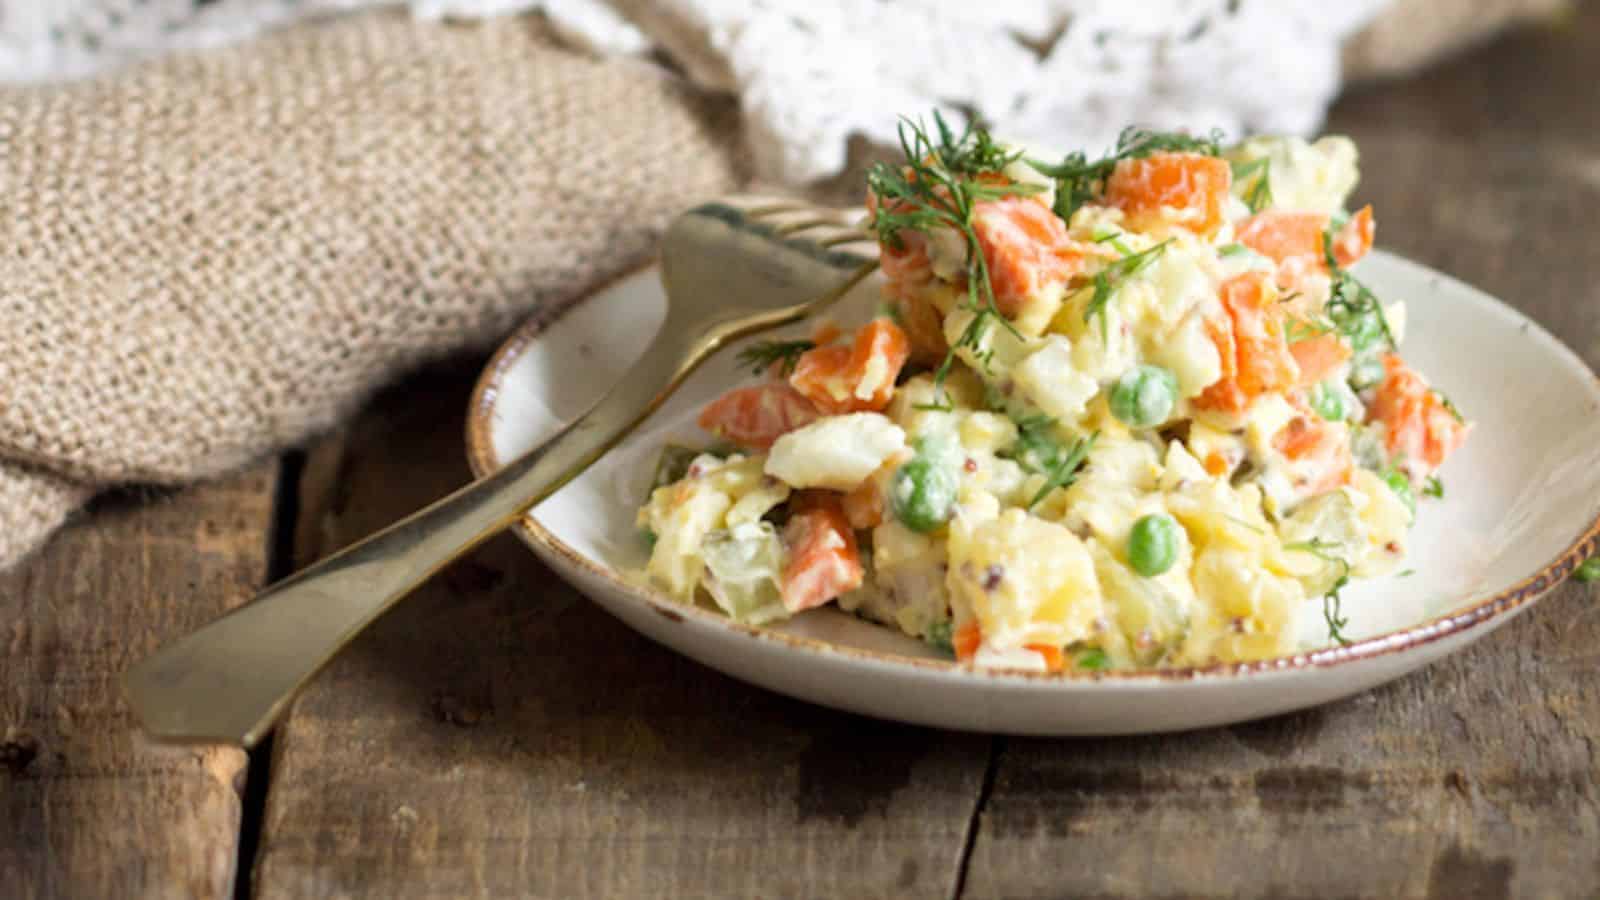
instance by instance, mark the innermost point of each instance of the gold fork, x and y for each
(731, 269)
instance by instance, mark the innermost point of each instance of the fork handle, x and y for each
(231, 680)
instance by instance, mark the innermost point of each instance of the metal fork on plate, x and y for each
(731, 268)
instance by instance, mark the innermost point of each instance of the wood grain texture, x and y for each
(498, 734)
(88, 808)
(1478, 777)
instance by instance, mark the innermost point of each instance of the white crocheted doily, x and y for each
(812, 73)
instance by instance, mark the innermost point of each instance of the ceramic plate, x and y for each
(1522, 509)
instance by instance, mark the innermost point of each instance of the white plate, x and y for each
(1522, 509)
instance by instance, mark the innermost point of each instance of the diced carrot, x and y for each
(826, 332)
(1255, 358)
(839, 379)
(1190, 188)
(756, 416)
(966, 639)
(1319, 449)
(1216, 464)
(903, 260)
(863, 507)
(1293, 240)
(824, 561)
(1026, 248)
(1318, 356)
(1420, 430)
(1054, 659)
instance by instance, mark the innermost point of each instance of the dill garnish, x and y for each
(1351, 305)
(938, 185)
(1038, 451)
(1331, 601)
(1107, 280)
(762, 356)
(1078, 180)
(1258, 195)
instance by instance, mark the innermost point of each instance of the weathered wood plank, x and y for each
(1478, 777)
(498, 734)
(88, 808)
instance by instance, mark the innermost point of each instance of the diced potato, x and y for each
(837, 452)
(1314, 177)
(681, 515)
(1188, 352)
(1151, 613)
(1049, 379)
(1386, 519)
(1027, 581)
(994, 354)
(1251, 613)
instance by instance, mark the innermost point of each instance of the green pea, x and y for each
(1144, 396)
(922, 494)
(1401, 485)
(1153, 544)
(1093, 659)
(1328, 403)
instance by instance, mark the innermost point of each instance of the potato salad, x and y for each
(1116, 412)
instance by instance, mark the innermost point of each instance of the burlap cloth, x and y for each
(215, 255)
(212, 256)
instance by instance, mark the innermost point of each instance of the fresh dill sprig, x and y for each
(1038, 451)
(1108, 279)
(1350, 302)
(1258, 195)
(1332, 602)
(760, 357)
(1079, 180)
(1065, 469)
(1433, 487)
(938, 185)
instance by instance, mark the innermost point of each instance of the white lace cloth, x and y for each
(812, 73)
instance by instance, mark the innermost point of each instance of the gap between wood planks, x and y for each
(258, 769)
(997, 748)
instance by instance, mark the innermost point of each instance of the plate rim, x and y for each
(1495, 608)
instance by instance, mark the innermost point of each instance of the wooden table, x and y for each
(497, 734)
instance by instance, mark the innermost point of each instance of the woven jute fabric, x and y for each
(215, 255)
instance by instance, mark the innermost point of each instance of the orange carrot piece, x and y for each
(1321, 447)
(1293, 240)
(824, 561)
(839, 379)
(1318, 357)
(1253, 337)
(1192, 186)
(1420, 430)
(1054, 659)
(1216, 464)
(1026, 248)
(756, 416)
(966, 639)
(863, 506)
